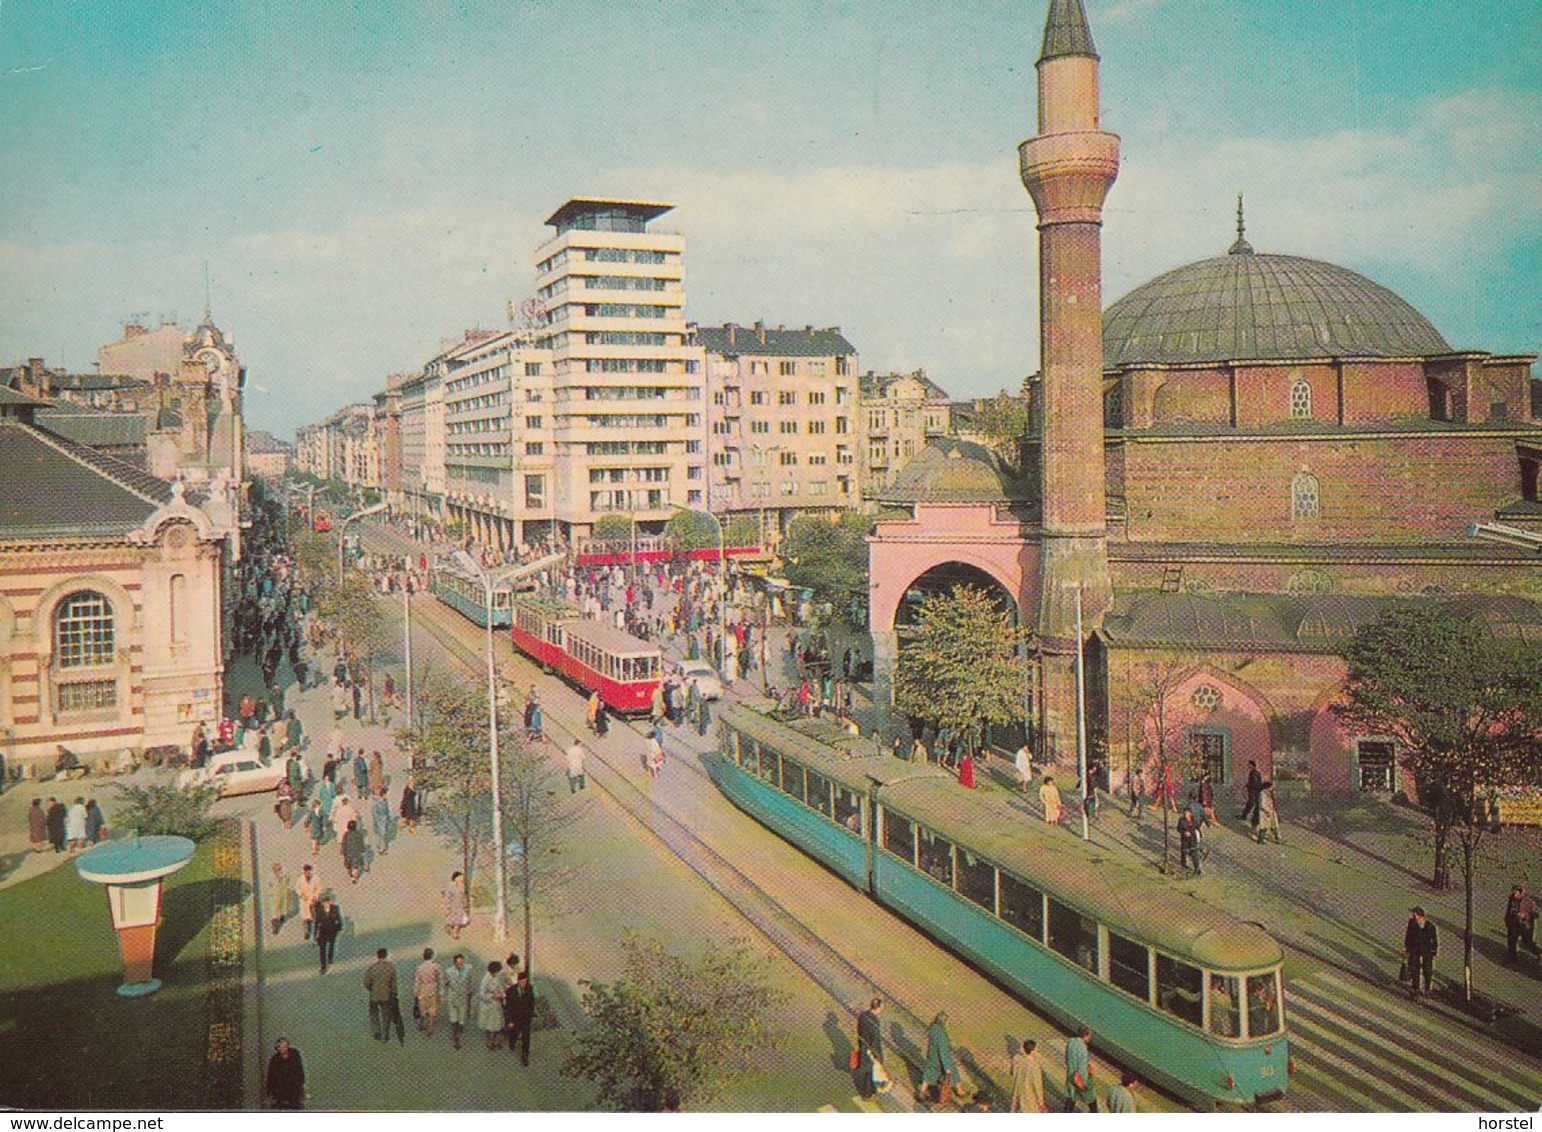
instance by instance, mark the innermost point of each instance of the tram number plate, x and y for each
(1266, 1071)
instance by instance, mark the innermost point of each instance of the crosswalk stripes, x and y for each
(1357, 1047)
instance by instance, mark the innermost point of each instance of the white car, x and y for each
(708, 684)
(235, 772)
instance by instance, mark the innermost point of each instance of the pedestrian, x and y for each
(353, 851)
(316, 824)
(96, 821)
(276, 897)
(377, 780)
(490, 1004)
(1521, 923)
(329, 925)
(308, 891)
(1023, 761)
(533, 731)
(592, 710)
(869, 1047)
(1255, 787)
(1027, 1080)
(457, 913)
(411, 808)
(285, 1085)
(1079, 1086)
(457, 995)
(1207, 798)
(1137, 793)
(361, 774)
(939, 1069)
(37, 826)
(654, 754)
(1188, 841)
(1266, 817)
(75, 825)
(966, 771)
(1121, 1097)
(703, 717)
(575, 767)
(427, 992)
(342, 814)
(519, 1015)
(1420, 945)
(602, 721)
(382, 820)
(380, 982)
(1049, 794)
(284, 807)
(326, 794)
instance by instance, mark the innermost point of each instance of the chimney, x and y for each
(731, 329)
(760, 331)
(810, 330)
(132, 330)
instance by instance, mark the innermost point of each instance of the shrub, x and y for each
(166, 808)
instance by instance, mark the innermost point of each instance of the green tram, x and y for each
(1181, 992)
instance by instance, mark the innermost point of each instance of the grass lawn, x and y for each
(68, 1041)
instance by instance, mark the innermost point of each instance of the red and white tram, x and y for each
(595, 656)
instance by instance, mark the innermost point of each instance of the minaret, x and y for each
(1067, 169)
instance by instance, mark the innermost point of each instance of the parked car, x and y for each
(235, 772)
(709, 686)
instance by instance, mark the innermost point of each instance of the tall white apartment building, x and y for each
(497, 404)
(627, 407)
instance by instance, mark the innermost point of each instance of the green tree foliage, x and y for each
(352, 610)
(537, 810)
(165, 808)
(671, 1032)
(742, 530)
(961, 666)
(1156, 725)
(613, 526)
(829, 558)
(691, 530)
(1001, 422)
(1466, 710)
(315, 558)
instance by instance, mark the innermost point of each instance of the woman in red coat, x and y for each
(966, 771)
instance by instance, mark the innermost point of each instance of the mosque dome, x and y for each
(1244, 306)
(955, 471)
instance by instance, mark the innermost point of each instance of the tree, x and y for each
(612, 526)
(673, 1033)
(535, 815)
(691, 530)
(350, 607)
(829, 558)
(165, 808)
(1157, 727)
(1465, 708)
(315, 558)
(742, 530)
(961, 665)
(1001, 422)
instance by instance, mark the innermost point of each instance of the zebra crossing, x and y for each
(1359, 1048)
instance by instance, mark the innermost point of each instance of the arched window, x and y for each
(83, 631)
(1303, 496)
(1300, 399)
(85, 642)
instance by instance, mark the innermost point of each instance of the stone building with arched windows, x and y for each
(110, 627)
(1229, 469)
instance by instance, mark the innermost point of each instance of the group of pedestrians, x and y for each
(64, 829)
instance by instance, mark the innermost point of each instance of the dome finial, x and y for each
(1241, 247)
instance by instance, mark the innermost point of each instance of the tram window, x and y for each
(848, 808)
(1073, 935)
(1180, 989)
(749, 754)
(818, 792)
(976, 880)
(1225, 1010)
(1022, 906)
(935, 856)
(1128, 967)
(770, 766)
(731, 744)
(792, 780)
(1263, 1005)
(899, 837)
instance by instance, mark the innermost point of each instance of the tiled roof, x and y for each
(94, 429)
(732, 340)
(1308, 553)
(93, 382)
(12, 397)
(50, 485)
(955, 471)
(1066, 31)
(1287, 623)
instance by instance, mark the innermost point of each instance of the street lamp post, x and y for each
(343, 526)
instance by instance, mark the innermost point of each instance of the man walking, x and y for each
(869, 1046)
(1079, 1087)
(457, 993)
(519, 1015)
(308, 889)
(1255, 787)
(427, 991)
(1121, 1098)
(1420, 945)
(329, 925)
(380, 982)
(285, 1085)
(1188, 841)
(1028, 1080)
(1521, 923)
(575, 767)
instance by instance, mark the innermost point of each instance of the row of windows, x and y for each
(619, 475)
(630, 338)
(476, 449)
(607, 664)
(624, 448)
(618, 282)
(601, 255)
(627, 310)
(484, 377)
(625, 500)
(473, 474)
(625, 365)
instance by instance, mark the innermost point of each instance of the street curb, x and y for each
(252, 983)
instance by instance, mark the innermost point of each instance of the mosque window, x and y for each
(1300, 400)
(1206, 697)
(83, 630)
(1304, 497)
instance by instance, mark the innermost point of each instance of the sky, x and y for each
(366, 179)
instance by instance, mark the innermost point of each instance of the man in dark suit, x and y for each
(1255, 789)
(519, 1015)
(328, 926)
(1420, 945)
(869, 1045)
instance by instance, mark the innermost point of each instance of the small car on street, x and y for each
(709, 686)
(235, 772)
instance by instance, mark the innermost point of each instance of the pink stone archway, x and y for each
(1241, 712)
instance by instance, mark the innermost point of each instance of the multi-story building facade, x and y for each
(782, 421)
(497, 436)
(627, 407)
(900, 412)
